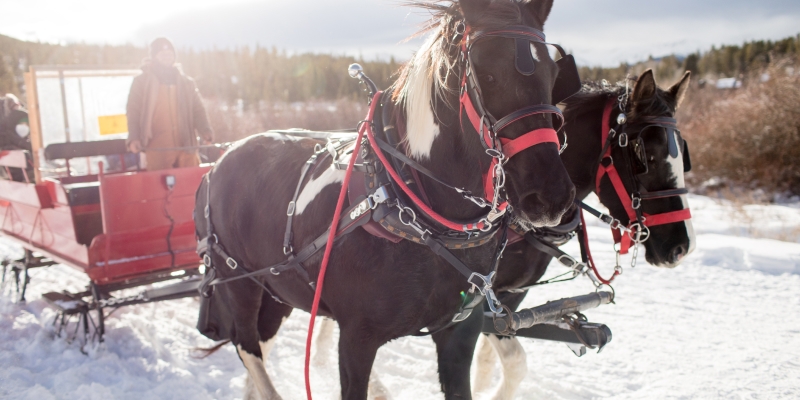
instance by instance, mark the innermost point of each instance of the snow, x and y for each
(721, 325)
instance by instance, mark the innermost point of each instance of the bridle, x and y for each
(487, 125)
(637, 231)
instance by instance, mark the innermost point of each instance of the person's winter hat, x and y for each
(159, 44)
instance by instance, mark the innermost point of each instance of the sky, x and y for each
(596, 32)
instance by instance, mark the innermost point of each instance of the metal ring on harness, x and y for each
(413, 216)
(637, 230)
(230, 262)
(636, 201)
(207, 260)
(613, 292)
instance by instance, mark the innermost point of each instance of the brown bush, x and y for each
(748, 137)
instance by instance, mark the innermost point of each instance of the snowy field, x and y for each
(723, 325)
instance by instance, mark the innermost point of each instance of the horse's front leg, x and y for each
(455, 347)
(356, 354)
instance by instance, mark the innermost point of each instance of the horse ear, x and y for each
(645, 87)
(678, 90)
(540, 9)
(473, 9)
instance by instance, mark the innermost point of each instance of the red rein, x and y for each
(331, 235)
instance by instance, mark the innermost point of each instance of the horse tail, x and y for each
(205, 352)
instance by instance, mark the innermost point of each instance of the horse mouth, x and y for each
(542, 221)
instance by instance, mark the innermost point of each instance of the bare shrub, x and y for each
(749, 136)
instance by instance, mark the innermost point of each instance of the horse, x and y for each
(668, 244)
(482, 58)
(523, 265)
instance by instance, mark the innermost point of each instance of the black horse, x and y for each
(522, 265)
(376, 289)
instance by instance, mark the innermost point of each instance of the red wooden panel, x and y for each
(20, 192)
(57, 193)
(135, 187)
(13, 158)
(117, 257)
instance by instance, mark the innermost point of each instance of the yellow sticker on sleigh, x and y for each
(113, 124)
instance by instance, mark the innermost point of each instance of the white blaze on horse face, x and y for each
(534, 53)
(315, 186)
(676, 166)
(421, 127)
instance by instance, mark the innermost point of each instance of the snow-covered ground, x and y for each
(724, 324)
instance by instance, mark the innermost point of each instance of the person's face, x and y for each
(166, 57)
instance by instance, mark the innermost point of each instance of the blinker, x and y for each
(568, 81)
(524, 59)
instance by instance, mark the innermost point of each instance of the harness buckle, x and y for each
(290, 210)
(231, 263)
(287, 250)
(484, 286)
(636, 201)
(572, 261)
(380, 196)
(207, 260)
(623, 140)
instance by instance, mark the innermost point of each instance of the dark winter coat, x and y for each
(192, 117)
(9, 118)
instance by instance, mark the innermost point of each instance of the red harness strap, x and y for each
(331, 235)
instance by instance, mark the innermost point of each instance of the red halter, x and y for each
(485, 124)
(625, 198)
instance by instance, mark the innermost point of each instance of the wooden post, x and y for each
(34, 121)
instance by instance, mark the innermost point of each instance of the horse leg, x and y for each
(514, 362)
(323, 345)
(255, 333)
(376, 391)
(455, 347)
(356, 355)
(484, 365)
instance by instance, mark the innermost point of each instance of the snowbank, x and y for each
(721, 325)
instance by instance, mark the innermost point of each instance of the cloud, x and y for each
(354, 27)
(597, 32)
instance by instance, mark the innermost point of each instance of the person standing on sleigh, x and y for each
(165, 111)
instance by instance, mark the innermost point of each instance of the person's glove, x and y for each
(135, 146)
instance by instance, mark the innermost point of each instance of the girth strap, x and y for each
(287, 236)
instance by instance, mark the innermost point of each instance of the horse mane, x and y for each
(432, 75)
(439, 54)
(586, 100)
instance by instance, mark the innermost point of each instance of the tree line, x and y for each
(726, 61)
(262, 74)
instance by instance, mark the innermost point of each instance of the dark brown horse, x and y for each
(523, 265)
(376, 289)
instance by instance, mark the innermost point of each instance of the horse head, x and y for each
(658, 157)
(486, 78)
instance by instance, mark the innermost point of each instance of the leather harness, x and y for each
(383, 197)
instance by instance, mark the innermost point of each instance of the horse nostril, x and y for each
(677, 253)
